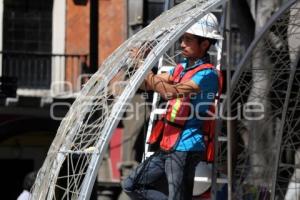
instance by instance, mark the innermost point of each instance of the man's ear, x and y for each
(205, 44)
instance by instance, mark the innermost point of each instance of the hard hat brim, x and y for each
(206, 35)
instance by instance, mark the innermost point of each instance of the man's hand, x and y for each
(138, 54)
(137, 57)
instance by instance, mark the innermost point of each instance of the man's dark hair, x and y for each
(201, 39)
(29, 180)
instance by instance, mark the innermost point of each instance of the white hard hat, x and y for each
(206, 27)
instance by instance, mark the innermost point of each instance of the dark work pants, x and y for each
(177, 167)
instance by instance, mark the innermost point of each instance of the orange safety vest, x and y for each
(168, 129)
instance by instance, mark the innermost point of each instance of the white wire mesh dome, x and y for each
(267, 157)
(74, 157)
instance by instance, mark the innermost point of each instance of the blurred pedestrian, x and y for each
(27, 185)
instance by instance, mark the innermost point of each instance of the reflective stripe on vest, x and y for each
(175, 109)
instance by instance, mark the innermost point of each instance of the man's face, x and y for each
(191, 47)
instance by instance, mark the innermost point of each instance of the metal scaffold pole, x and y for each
(228, 92)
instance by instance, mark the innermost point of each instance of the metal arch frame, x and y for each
(284, 112)
(62, 149)
(257, 39)
(240, 69)
(118, 110)
(138, 78)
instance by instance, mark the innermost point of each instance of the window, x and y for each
(27, 42)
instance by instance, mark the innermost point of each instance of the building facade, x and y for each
(44, 50)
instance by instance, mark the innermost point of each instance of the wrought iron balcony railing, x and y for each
(39, 71)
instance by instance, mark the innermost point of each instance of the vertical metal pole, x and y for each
(94, 34)
(228, 93)
(215, 163)
(168, 5)
(1, 35)
(218, 120)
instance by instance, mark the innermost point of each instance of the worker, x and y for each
(189, 89)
